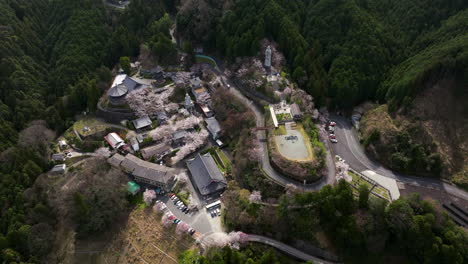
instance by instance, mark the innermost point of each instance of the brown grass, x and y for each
(143, 239)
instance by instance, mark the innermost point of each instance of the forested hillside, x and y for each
(46, 47)
(345, 52)
(56, 58)
(348, 51)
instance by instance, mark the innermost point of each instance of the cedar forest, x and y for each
(56, 58)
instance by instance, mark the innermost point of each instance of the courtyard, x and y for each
(293, 144)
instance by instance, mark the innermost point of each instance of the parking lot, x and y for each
(200, 220)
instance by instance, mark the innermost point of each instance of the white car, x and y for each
(333, 140)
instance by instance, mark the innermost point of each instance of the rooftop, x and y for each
(179, 134)
(141, 122)
(155, 150)
(145, 169)
(213, 125)
(114, 140)
(206, 174)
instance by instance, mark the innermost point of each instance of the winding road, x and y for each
(287, 249)
(349, 148)
(265, 160)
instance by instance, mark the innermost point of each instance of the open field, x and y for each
(143, 239)
(298, 149)
(93, 126)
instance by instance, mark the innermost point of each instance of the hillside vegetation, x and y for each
(55, 60)
(57, 56)
(348, 51)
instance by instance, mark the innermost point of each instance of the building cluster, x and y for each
(145, 172)
(283, 113)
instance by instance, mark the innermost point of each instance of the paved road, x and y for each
(286, 249)
(349, 148)
(265, 161)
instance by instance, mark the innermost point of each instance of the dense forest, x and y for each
(56, 59)
(361, 227)
(347, 51)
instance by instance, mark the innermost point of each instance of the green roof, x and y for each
(132, 187)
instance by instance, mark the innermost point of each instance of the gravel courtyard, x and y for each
(293, 149)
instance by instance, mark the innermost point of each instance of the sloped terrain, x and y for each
(432, 128)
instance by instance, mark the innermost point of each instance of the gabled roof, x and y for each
(58, 156)
(206, 174)
(122, 85)
(130, 83)
(295, 110)
(155, 150)
(213, 125)
(142, 122)
(161, 116)
(115, 160)
(147, 170)
(179, 134)
(114, 140)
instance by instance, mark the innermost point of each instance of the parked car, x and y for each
(333, 140)
(330, 128)
(177, 221)
(172, 217)
(332, 123)
(191, 231)
(218, 212)
(332, 136)
(171, 194)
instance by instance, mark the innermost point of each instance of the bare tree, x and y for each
(36, 134)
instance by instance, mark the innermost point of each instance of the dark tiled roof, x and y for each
(115, 160)
(155, 150)
(142, 122)
(130, 84)
(147, 170)
(206, 174)
(295, 110)
(213, 125)
(179, 134)
(118, 91)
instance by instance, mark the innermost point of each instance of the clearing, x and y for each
(144, 239)
(294, 144)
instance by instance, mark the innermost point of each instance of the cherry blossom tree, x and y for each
(194, 140)
(167, 130)
(147, 102)
(255, 196)
(103, 152)
(148, 196)
(182, 177)
(166, 221)
(158, 207)
(182, 227)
